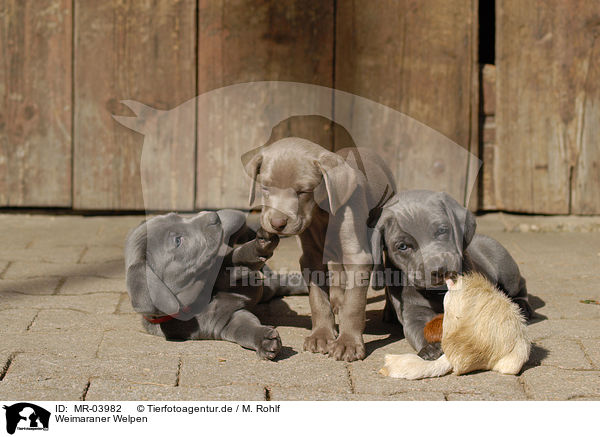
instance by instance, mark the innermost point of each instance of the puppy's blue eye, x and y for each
(178, 241)
(402, 246)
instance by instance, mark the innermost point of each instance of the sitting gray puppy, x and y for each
(189, 282)
(428, 236)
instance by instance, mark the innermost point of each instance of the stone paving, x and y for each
(69, 332)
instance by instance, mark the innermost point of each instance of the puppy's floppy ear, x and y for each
(232, 221)
(252, 161)
(464, 222)
(339, 181)
(377, 242)
(146, 291)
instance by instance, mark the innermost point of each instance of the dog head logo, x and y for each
(26, 416)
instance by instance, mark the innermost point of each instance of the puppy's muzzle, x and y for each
(441, 267)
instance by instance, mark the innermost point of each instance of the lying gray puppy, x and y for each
(189, 282)
(428, 236)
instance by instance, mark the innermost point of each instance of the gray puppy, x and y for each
(188, 281)
(325, 199)
(428, 236)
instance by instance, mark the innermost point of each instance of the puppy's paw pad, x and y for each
(318, 341)
(266, 242)
(269, 344)
(347, 348)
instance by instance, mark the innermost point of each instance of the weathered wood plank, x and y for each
(143, 51)
(35, 94)
(488, 136)
(418, 58)
(547, 106)
(585, 181)
(244, 41)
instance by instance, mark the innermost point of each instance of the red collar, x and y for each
(162, 319)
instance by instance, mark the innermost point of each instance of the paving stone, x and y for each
(125, 305)
(592, 351)
(407, 396)
(70, 320)
(154, 370)
(303, 394)
(42, 373)
(107, 389)
(67, 254)
(486, 397)
(34, 390)
(550, 383)
(5, 357)
(92, 284)
(29, 286)
(570, 307)
(565, 354)
(3, 266)
(23, 269)
(97, 303)
(132, 341)
(101, 254)
(298, 370)
(16, 320)
(579, 329)
(71, 344)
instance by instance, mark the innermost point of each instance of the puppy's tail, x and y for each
(411, 366)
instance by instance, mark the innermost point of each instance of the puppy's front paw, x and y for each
(431, 351)
(318, 340)
(347, 348)
(525, 309)
(269, 344)
(266, 243)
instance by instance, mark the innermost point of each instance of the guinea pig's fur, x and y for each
(433, 329)
(482, 330)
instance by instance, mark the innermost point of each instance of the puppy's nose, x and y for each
(438, 273)
(278, 223)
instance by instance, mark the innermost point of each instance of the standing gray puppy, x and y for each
(325, 199)
(428, 235)
(189, 282)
